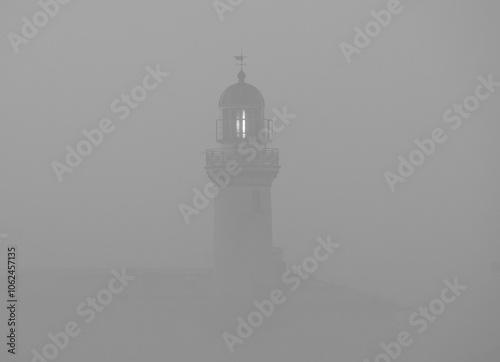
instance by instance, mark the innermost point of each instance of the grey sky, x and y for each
(353, 120)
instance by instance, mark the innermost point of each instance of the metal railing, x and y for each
(221, 156)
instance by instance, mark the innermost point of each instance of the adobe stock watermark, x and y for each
(88, 308)
(202, 199)
(372, 29)
(223, 6)
(39, 20)
(12, 299)
(420, 320)
(292, 278)
(123, 107)
(426, 147)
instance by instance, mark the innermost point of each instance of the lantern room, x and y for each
(242, 114)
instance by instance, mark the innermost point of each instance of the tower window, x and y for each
(244, 121)
(268, 130)
(220, 128)
(241, 125)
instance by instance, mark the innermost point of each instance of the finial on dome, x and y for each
(241, 74)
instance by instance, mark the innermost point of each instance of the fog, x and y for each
(120, 206)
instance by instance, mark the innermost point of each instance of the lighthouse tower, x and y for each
(244, 265)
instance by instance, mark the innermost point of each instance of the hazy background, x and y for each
(120, 206)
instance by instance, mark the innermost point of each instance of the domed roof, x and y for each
(241, 94)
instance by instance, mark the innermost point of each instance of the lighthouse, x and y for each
(244, 261)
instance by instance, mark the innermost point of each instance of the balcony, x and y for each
(221, 156)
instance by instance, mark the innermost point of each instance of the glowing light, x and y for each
(243, 123)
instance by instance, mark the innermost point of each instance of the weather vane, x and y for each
(240, 58)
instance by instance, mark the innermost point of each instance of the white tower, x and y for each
(243, 245)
